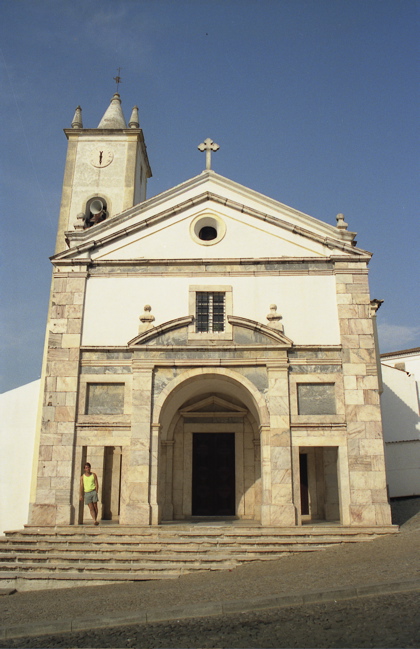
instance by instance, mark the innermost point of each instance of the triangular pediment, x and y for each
(254, 226)
(214, 406)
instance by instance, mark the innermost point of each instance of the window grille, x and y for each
(210, 312)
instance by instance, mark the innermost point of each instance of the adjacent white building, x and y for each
(18, 415)
(401, 421)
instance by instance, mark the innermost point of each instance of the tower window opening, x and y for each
(96, 212)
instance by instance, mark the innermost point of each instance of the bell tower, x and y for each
(106, 170)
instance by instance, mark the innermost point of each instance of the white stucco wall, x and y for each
(18, 412)
(401, 426)
(400, 408)
(412, 365)
(307, 304)
(411, 361)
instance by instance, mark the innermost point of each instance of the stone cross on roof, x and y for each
(208, 146)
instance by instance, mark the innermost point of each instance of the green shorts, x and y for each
(91, 497)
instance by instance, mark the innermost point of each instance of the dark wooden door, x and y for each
(213, 475)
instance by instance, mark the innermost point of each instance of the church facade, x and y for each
(210, 351)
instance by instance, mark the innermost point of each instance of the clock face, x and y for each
(101, 157)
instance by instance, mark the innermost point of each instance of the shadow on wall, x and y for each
(405, 509)
(400, 421)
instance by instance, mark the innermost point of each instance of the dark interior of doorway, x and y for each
(304, 485)
(111, 483)
(213, 475)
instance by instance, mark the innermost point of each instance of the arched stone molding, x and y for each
(247, 393)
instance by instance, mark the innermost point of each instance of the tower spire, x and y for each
(77, 119)
(113, 117)
(134, 119)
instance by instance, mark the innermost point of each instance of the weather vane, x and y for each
(118, 79)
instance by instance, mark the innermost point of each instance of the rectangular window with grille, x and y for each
(210, 311)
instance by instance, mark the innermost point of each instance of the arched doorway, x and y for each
(209, 461)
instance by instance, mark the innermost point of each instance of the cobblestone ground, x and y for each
(384, 621)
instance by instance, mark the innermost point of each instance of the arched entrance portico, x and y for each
(209, 459)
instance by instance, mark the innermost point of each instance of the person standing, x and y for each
(89, 488)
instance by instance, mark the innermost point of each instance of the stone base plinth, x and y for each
(42, 514)
(278, 515)
(133, 514)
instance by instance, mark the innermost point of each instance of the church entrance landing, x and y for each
(213, 474)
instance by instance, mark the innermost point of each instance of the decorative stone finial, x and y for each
(80, 223)
(146, 319)
(134, 119)
(77, 119)
(113, 117)
(274, 318)
(208, 146)
(341, 224)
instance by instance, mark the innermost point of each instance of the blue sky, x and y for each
(313, 103)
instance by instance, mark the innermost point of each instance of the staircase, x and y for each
(74, 555)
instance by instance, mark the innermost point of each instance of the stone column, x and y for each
(367, 494)
(168, 457)
(55, 471)
(277, 500)
(265, 475)
(135, 504)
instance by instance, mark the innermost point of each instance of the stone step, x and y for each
(66, 556)
(156, 552)
(204, 545)
(179, 531)
(160, 566)
(123, 557)
(66, 580)
(183, 540)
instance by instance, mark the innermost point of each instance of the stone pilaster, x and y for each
(368, 496)
(155, 515)
(135, 502)
(277, 497)
(52, 504)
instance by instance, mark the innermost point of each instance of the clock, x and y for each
(101, 157)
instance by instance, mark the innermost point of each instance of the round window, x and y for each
(207, 233)
(207, 229)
